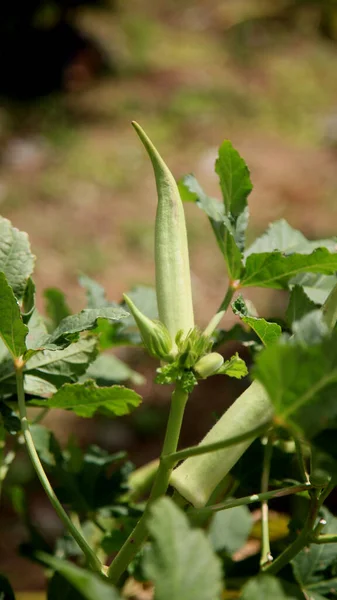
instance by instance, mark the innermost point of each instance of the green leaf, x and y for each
(325, 586)
(315, 559)
(10, 420)
(28, 301)
(316, 286)
(95, 292)
(12, 329)
(271, 588)
(83, 321)
(85, 481)
(16, 259)
(234, 367)
(6, 592)
(311, 329)
(281, 236)
(191, 191)
(62, 366)
(56, 306)
(230, 238)
(274, 269)
(234, 178)
(35, 386)
(37, 331)
(59, 587)
(230, 529)
(301, 382)
(299, 305)
(267, 332)
(180, 562)
(46, 444)
(102, 477)
(107, 369)
(85, 399)
(90, 585)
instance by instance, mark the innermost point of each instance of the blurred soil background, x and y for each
(74, 175)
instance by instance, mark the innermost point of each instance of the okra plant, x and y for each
(194, 524)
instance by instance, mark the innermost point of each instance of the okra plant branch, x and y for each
(266, 556)
(279, 493)
(300, 542)
(173, 459)
(214, 322)
(90, 555)
(159, 488)
(301, 459)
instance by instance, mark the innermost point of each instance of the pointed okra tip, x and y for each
(152, 151)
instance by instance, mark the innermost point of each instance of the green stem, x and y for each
(301, 459)
(325, 493)
(41, 415)
(300, 542)
(325, 538)
(214, 322)
(173, 459)
(266, 556)
(160, 485)
(91, 557)
(279, 493)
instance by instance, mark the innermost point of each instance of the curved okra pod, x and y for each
(173, 282)
(197, 477)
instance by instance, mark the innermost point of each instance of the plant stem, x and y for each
(214, 322)
(91, 557)
(301, 460)
(160, 485)
(300, 542)
(173, 459)
(266, 556)
(325, 493)
(325, 538)
(293, 489)
(41, 415)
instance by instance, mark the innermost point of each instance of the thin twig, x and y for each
(266, 556)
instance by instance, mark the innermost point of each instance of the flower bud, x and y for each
(154, 334)
(173, 283)
(208, 365)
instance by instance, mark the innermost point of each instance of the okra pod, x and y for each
(197, 477)
(173, 282)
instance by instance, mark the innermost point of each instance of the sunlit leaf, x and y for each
(85, 399)
(12, 329)
(274, 269)
(266, 331)
(16, 259)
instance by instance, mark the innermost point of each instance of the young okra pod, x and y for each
(154, 334)
(173, 282)
(197, 477)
